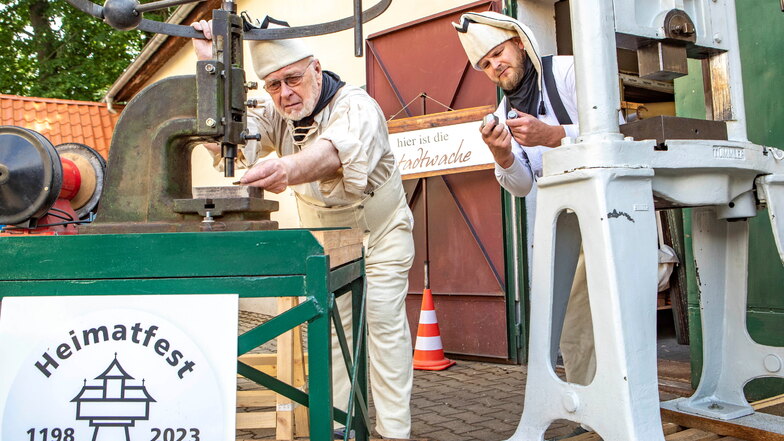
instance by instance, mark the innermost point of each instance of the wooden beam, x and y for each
(255, 420)
(768, 402)
(439, 119)
(256, 398)
(720, 427)
(449, 171)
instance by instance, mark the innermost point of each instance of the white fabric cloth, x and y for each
(369, 195)
(478, 37)
(667, 261)
(271, 55)
(577, 345)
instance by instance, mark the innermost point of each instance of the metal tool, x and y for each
(607, 184)
(163, 123)
(45, 188)
(489, 118)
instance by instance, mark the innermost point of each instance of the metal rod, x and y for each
(163, 4)
(388, 77)
(596, 68)
(427, 235)
(358, 28)
(229, 5)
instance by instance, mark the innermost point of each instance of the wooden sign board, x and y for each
(440, 143)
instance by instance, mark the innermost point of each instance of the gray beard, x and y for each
(307, 105)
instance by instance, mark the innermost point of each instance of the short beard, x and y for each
(307, 104)
(511, 82)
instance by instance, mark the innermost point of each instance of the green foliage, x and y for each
(50, 49)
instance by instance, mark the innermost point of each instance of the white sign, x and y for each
(440, 148)
(118, 368)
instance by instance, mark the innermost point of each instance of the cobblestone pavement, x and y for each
(471, 401)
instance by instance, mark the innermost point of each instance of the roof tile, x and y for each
(61, 121)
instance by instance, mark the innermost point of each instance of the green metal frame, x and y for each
(516, 276)
(282, 263)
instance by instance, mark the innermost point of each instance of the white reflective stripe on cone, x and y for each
(427, 317)
(428, 343)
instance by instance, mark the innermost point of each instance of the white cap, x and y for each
(480, 32)
(271, 55)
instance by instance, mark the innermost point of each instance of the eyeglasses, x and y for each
(273, 86)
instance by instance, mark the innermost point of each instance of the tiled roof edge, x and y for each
(50, 100)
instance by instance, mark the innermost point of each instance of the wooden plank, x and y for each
(301, 413)
(720, 87)
(439, 119)
(330, 239)
(269, 370)
(259, 359)
(727, 428)
(255, 420)
(284, 421)
(256, 398)
(768, 402)
(672, 230)
(692, 435)
(343, 246)
(670, 428)
(450, 171)
(339, 256)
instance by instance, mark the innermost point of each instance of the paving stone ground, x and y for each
(471, 401)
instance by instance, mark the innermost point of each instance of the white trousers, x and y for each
(389, 338)
(577, 347)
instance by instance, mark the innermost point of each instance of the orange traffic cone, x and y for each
(429, 352)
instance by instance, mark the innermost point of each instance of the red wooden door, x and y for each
(465, 240)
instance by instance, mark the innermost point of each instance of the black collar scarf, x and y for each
(525, 97)
(330, 84)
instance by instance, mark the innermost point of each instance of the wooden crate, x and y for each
(289, 365)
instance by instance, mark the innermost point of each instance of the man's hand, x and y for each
(499, 141)
(203, 48)
(272, 175)
(528, 131)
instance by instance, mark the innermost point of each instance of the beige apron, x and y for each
(371, 214)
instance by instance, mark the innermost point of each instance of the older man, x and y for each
(334, 152)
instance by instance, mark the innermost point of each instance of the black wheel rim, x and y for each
(32, 175)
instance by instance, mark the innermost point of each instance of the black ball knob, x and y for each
(121, 14)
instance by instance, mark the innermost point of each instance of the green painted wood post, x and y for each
(319, 349)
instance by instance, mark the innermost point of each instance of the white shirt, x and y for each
(518, 178)
(354, 124)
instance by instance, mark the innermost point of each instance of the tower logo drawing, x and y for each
(113, 404)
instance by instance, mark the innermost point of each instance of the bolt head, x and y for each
(571, 402)
(772, 363)
(210, 122)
